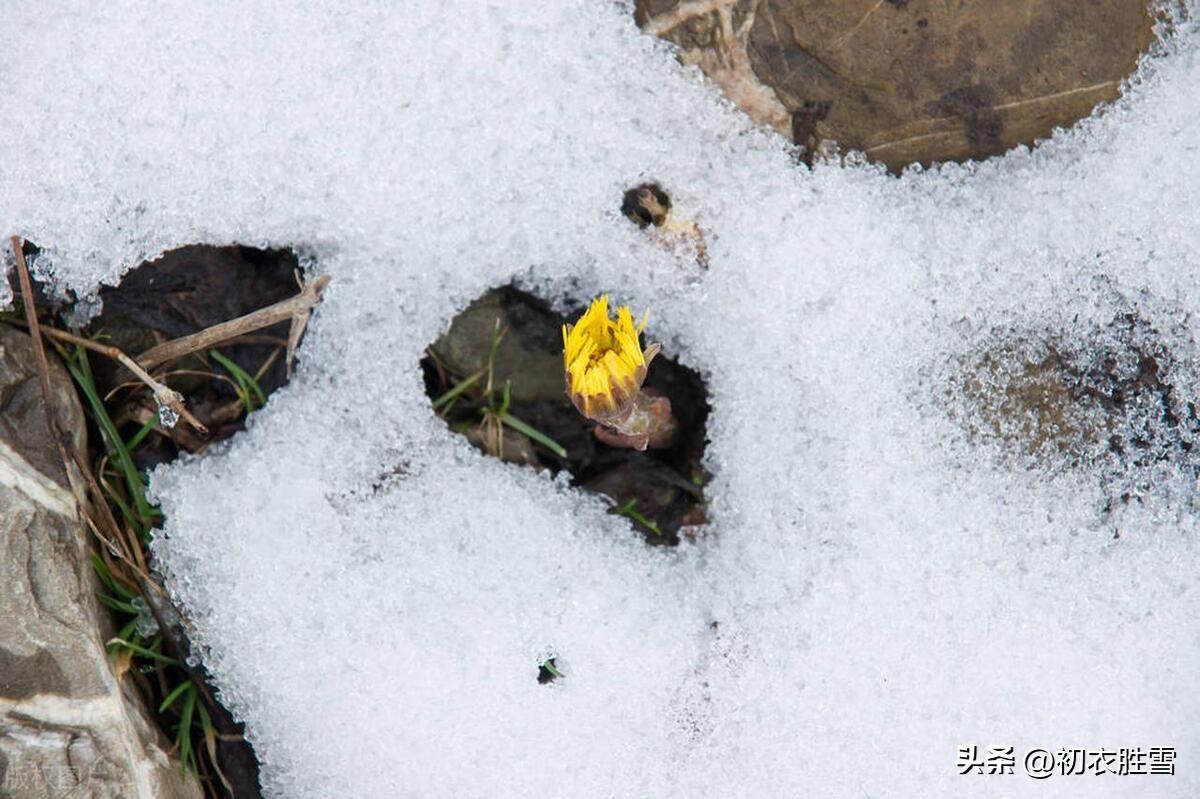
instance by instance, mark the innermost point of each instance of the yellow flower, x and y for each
(604, 362)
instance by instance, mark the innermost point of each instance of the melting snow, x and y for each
(877, 588)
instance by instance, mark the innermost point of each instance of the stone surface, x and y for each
(909, 80)
(68, 727)
(530, 354)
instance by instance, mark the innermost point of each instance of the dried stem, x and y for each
(297, 308)
(39, 348)
(163, 395)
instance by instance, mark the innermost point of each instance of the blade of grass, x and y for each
(145, 429)
(538, 436)
(628, 510)
(497, 335)
(82, 373)
(143, 651)
(185, 729)
(506, 398)
(110, 494)
(125, 632)
(210, 744)
(175, 694)
(244, 378)
(106, 577)
(454, 392)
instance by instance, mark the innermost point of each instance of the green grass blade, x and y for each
(132, 443)
(126, 631)
(210, 743)
(175, 694)
(206, 724)
(127, 512)
(538, 436)
(454, 392)
(109, 581)
(101, 569)
(243, 378)
(506, 398)
(82, 373)
(497, 334)
(143, 651)
(629, 511)
(185, 731)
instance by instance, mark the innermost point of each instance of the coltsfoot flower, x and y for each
(604, 361)
(605, 367)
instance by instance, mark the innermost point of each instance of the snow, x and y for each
(374, 596)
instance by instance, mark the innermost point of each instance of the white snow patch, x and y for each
(886, 589)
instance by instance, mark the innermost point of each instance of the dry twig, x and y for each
(297, 308)
(163, 395)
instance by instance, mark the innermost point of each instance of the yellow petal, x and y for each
(603, 359)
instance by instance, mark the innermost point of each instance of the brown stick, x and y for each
(163, 395)
(39, 348)
(296, 308)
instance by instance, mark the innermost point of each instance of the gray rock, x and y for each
(532, 363)
(68, 725)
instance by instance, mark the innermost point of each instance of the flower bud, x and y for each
(605, 367)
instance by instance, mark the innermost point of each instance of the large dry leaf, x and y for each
(910, 80)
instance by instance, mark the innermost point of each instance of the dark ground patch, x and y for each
(660, 490)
